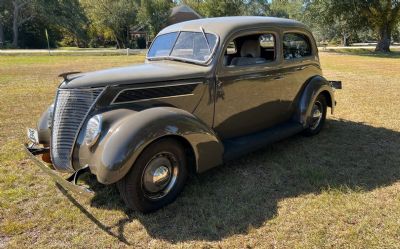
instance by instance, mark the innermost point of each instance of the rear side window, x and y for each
(296, 46)
(250, 50)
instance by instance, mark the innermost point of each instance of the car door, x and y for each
(300, 61)
(249, 85)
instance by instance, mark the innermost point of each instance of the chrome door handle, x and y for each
(300, 68)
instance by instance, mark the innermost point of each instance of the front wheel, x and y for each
(318, 116)
(156, 178)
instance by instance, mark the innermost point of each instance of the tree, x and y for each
(112, 18)
(212, 8)
(292, 9)
(383, 16)
(23, 11)
(4, 15)
(349, 16)
(333, 19)
(67, 16)
(154, 14)
(224, 8)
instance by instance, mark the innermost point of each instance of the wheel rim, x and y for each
(316, 115)
(159, 176)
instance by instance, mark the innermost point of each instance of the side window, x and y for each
(296, 46)
(250, 50)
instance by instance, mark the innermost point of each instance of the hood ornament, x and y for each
(66, 74)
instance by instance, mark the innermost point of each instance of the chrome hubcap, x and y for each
(159, 175)
(316, 115)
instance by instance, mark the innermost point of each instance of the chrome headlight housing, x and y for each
(93, 130)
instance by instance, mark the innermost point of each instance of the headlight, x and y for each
(50, 115)
(93, 130)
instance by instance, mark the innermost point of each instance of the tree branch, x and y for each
(22, 4)
(25, 20)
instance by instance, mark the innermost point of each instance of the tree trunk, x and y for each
(118, 45)
(1, 35)
(345, 41)
(15, 26)
(384, 39)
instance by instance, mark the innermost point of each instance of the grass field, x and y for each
(339, 189)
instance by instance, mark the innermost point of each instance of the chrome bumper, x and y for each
(69, 184)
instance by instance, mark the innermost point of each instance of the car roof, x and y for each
(223, 26)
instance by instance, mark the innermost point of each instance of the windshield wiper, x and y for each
(205, 37)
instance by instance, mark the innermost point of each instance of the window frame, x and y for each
(255, 67)
(175, 58)
(310, 41)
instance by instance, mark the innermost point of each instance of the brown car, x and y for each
(209, 91)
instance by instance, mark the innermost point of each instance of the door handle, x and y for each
(299, 68)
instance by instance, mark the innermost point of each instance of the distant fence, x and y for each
(83, 51)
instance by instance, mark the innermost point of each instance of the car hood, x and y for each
(142, 73)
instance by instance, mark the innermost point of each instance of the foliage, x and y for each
(97, 23)
(292, 9)
(68, 17)
(154, 14)
(111, 18)
(349, 18)
(383, 16)
(212, 8)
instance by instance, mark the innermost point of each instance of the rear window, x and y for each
(296, 46)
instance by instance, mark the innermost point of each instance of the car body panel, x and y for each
(225, 26)
(157, 71)
(126, 133)
(312, 89)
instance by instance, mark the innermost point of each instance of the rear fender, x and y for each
(312, 89)
(127, 133)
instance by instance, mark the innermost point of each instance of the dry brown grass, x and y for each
(340, 189)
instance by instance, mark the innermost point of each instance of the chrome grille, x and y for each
(71, 108)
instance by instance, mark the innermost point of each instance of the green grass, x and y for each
(339, 189)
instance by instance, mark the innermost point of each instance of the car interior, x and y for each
(250, 50)
(296, 46)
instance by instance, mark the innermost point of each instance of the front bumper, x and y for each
(69, 184)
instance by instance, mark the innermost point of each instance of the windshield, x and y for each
(185, 45)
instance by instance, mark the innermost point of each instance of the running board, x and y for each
(237, 147)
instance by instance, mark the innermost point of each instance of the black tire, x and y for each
(133, 188)
(314, 128)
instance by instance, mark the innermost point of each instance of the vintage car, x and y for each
(210, 90)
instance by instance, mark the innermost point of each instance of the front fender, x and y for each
(43, 128)
(126, 133)
(312, 89)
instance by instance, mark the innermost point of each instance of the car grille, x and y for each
(71, 108)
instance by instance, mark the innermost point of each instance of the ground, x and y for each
(339, 189)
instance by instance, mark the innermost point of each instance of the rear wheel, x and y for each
(318, 116)
(157, 177)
